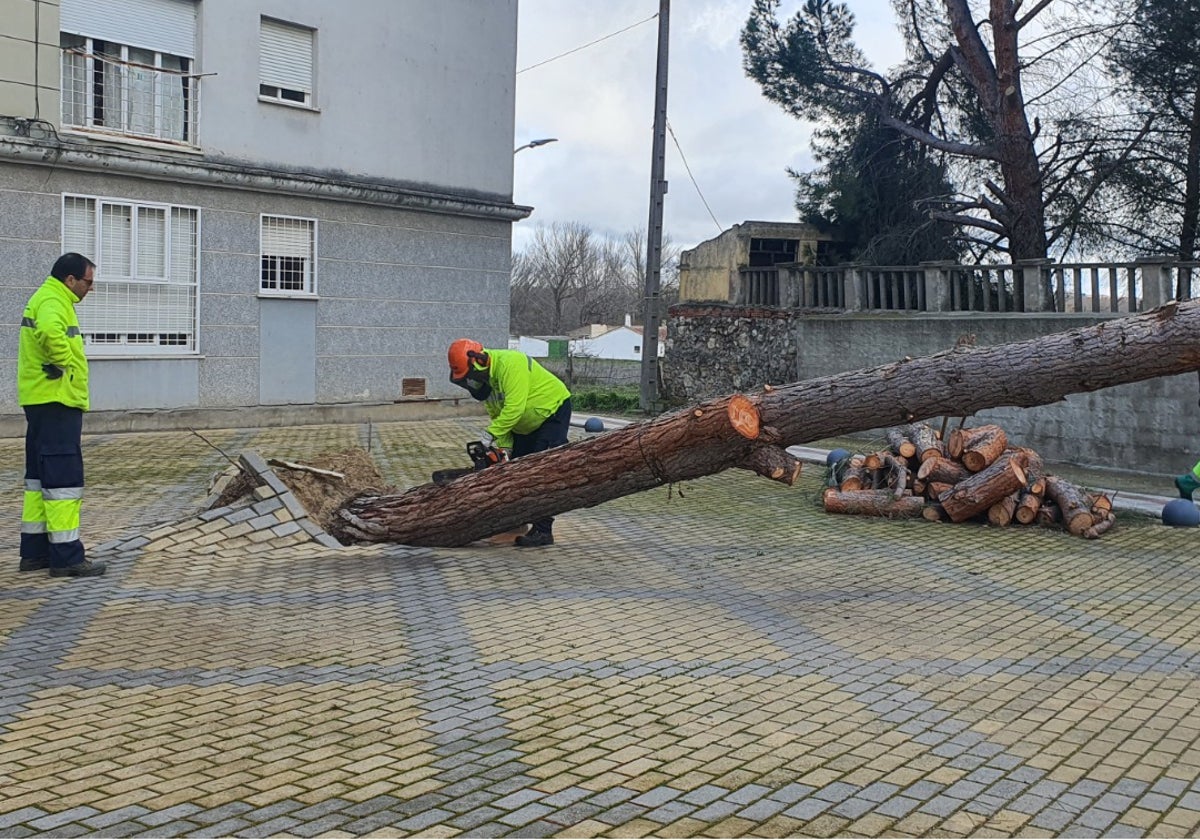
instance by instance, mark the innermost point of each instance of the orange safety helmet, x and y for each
(462, 352)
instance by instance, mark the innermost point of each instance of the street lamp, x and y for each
(533, 144)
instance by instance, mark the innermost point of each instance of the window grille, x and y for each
(285, 62)
(146, 255)
(125, 90)
(289, 248)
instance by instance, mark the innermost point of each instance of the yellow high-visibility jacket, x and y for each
(50, 336)
(523, 395)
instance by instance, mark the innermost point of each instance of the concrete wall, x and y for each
(395, 288)
(421, 91)
(29, 58)
(1147, 426)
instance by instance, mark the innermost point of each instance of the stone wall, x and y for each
(715, 349)
(1149, 426)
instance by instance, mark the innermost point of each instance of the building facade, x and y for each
(289, 201)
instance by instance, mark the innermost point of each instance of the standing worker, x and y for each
(52, 388)
(529, 406)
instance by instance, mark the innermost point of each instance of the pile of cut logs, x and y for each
(973, 475)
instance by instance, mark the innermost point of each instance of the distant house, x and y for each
(600, 341)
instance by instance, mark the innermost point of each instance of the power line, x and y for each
(585, 46)
(693, 179)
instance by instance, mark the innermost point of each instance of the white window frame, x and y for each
(309, 289)
(172, 96)
(128, 345)
(287, 66)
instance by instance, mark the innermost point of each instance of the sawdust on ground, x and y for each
(322, 495)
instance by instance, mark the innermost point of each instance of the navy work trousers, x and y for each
(550, 434)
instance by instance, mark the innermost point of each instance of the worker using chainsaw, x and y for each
(530, 407)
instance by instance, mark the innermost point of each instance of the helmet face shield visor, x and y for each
(476, 382)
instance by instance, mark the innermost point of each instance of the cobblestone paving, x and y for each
(719, 659)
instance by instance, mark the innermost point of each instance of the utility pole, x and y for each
(658, 188)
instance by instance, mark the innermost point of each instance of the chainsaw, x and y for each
(481, 457)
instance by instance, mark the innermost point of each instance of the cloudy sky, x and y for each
(599, 103)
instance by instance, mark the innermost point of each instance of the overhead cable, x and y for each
(589, 44)
(693, 179)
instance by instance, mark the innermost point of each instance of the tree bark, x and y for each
(1001, 513)
(996, 79)
(897, 474)
(854, 476)
(983, 489)
(961, 440)
(926, 442)
(1028, 506)
(983, 450)
(1076, 506)
(873, 503)
(710, 437)
(945, 470)
(1048, 515)
(900, 442)
(1191, 198)
(1102, 525)
(934, 512)
(1034, 470)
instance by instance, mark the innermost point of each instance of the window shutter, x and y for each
(116, 239)
(151, 243)
(183, 246)
(285, 56)
(167, 26)
(79, 226)
(287, 238)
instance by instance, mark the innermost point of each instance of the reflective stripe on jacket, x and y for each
(523, 395)
(50, 336)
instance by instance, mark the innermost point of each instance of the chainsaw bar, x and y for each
(446, 476)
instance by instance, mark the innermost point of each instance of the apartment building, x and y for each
(290, 202)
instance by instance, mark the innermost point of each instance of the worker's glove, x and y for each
(52, 371)
(486, 438)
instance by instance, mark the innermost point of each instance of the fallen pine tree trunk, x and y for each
(728, 432)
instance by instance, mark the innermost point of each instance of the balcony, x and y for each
(105, 94)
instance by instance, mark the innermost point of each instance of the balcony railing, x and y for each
(1034, 286)
(102, 93)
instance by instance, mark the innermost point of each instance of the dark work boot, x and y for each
(1186, 484)
(85, 569)
(534, 539)
(34, 564)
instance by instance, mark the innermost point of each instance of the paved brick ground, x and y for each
(722, 661)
